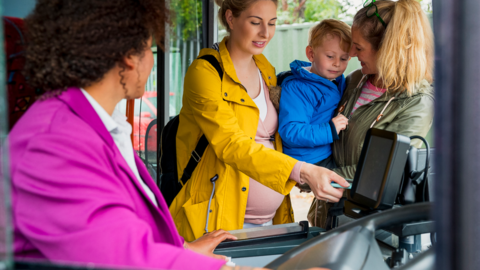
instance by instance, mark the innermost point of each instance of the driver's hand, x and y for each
(319, 179)
(206, 244)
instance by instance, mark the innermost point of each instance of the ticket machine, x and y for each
(374, 204)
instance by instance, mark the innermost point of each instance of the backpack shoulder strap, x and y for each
(195, 158)
(202, 144)
(214, 62)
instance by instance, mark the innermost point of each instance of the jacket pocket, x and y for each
(197, 216)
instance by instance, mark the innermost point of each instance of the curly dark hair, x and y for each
(76, 42)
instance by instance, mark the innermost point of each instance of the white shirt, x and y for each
(260, 100)
(120, 130)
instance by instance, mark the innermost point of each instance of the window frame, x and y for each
(209, 37)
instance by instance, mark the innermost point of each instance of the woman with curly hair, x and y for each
(80, 193)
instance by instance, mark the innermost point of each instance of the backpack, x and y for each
(20, 94)
(170, 184)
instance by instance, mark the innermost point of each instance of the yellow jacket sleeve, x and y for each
(219, 121)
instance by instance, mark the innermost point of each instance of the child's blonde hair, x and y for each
(405, 45)
(333, 27)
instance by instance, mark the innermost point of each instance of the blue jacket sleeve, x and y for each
(297, 106)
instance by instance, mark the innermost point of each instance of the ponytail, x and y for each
(404, 47)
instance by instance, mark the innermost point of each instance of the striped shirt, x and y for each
(369, 93)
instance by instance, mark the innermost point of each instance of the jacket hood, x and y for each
(299, 72)
(422, 88)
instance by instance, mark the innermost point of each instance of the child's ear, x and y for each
(310, 53)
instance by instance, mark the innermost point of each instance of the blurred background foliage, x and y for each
(188, 13)
(187, 18)
(300, 11)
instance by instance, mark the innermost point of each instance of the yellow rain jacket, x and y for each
(225, 113)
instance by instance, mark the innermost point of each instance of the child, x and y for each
(311, 95)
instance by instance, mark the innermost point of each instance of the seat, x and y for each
(20, 94)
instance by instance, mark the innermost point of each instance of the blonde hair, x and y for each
(317, 33)
(404, 47)
(236, 6)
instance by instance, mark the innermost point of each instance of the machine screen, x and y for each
(374, 167)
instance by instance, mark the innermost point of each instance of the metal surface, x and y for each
(163, 86)
(354, 249)
(267, 231)
(457, 129)
(259, 261)
(210, 33)
(130, 111)
(349, 239)
(415, 228)
(267, 247)
(424, 261)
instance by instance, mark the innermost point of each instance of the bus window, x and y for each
(145, 111)
(185, 43)
(295, 18)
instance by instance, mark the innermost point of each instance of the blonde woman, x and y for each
(392, 91)
(243, 179)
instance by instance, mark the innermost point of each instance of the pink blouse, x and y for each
(262, 201)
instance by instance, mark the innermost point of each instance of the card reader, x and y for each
(379, 170)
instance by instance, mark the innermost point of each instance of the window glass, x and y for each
(185, 44)
(144, 122)
(296, 17)
(145, 112)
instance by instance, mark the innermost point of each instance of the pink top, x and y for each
(262, 201)
(369, 93)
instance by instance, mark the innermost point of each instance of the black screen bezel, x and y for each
(358, 198)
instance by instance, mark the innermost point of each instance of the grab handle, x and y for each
(210, 201)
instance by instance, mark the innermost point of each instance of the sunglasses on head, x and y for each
(373, 10)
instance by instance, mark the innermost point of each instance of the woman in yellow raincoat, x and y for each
(239, 121)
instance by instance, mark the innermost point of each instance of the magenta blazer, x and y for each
(76, 200)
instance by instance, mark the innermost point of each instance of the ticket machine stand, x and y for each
(409, 234)
(259, 246)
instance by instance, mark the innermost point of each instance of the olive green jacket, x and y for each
(406, 115)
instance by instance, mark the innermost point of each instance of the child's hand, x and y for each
(340, 122)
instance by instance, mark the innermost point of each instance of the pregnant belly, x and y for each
(262, 203)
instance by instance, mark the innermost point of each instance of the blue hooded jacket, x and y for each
(307, 105)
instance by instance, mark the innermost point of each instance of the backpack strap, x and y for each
(203, 142)
(214, 62)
